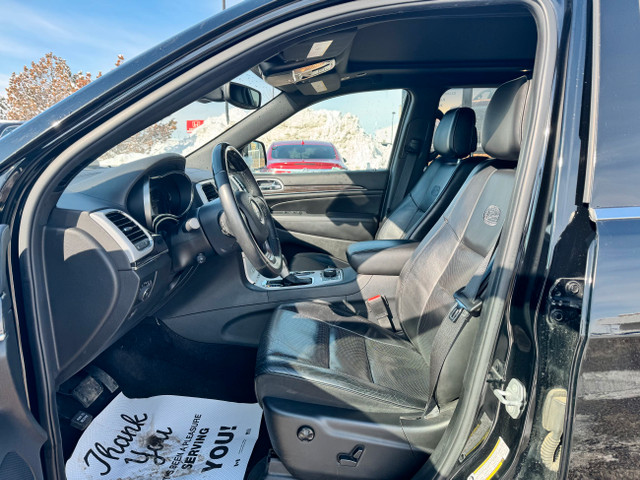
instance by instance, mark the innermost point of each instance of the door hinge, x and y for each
(565, 300)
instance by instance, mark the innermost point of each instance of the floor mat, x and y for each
(167, 437)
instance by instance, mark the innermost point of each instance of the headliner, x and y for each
(460, 46)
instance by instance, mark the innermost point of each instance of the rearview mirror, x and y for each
(242, 96)
(235, 94)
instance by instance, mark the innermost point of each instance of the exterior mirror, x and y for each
(255, 154)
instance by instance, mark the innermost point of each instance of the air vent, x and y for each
(132, 231)
(132, 238)
(207, 191)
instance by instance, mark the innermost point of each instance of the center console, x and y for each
(306, 279)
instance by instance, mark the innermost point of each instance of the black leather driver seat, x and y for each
(454, 140)
(344, 397)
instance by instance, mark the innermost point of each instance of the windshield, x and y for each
(187, 129)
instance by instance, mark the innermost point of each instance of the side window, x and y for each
(476, 98)
(351, 132)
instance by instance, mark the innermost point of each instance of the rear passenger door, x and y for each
(324, 207)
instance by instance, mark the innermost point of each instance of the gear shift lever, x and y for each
(289, 279)
(292, 279)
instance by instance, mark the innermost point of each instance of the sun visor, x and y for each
(320, 85)
(331, 46)
(301, 74)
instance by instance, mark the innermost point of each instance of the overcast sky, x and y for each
(89, 34)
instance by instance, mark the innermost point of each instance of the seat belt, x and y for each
(468, 304)
(409, 156)
(379, 309)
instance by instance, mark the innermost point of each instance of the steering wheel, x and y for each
(248, 216)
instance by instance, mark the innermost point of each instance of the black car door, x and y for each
(21, 437)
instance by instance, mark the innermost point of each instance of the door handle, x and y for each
(270, 185)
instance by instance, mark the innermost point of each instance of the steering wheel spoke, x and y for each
(247, 212)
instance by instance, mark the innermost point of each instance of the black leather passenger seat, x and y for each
(355, 383)
(455, 140)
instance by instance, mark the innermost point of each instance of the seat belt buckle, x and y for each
(472, 306)
(379, 307)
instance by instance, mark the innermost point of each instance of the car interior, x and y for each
(318, 295)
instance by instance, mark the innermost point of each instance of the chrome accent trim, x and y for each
(132, 253)
(149, 260)
(270, 185)
(146, 199)
(614, 213)
(594, 101)
(200, 191)
(262, 282)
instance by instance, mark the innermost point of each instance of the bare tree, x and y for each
(50, 80)
(41, 85)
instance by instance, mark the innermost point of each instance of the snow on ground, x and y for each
(361, 150)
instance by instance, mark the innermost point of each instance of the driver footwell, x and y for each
(153, 361)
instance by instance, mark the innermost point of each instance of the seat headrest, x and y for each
(504, 119)
(456, 135)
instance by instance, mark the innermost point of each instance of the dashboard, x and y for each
(160, 200)
(122, 228)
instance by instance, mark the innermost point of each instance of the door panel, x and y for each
(21, 437)
(324, 211)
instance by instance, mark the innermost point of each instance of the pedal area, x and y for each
(160, 437)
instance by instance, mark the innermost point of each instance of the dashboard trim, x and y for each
(153, 219)
(132, 253)
(200, 190)
(146, 199)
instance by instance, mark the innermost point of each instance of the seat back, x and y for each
(450, 254)
(454, 139)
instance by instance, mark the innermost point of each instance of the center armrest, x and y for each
(380, 257)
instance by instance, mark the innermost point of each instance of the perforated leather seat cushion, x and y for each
(320, 353)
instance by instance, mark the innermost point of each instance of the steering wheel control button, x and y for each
(306, 434)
